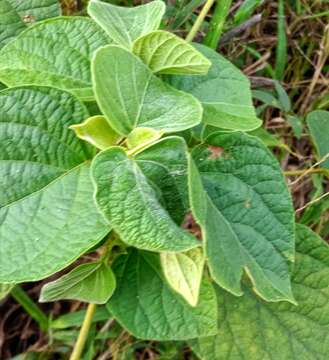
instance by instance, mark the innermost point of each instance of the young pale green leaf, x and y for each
(147, 307)
(5, 290)
(92, 282)
(318, 123)
(166, 53)
(47, 214)
(250, 328)
(54, 52)
(97, 131)
(241, 201)
(142, 137)
(131, 96)
(123, 25)
(130, 203)
(183, 271)
(224, 93)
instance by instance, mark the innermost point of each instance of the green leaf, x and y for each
(36, 10)
(92, 282)
(165, 166)
(36, 145)
(183, 271)
(129, 202)
(15, 15)
(54, 52)
(142, 137)
(166, 53)
(5, 290)
(148, 308)
(43, 224)
(10, 23)
(318, 123)
(250, 328)
(130, 96)
(46, 231)
(123, 25)
(240, 199)
(97, 131)
(224, 93)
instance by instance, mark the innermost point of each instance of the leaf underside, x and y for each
(91, 282)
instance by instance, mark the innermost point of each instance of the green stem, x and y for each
(195, 28)
(217, 23)
(30, 307)
(79, 345)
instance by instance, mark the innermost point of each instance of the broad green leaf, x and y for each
(54, 52)
(165, 166)
(142, 137)
(148, 308)
(131, 96)
(36, 10)
(16, 14)
(123, 25)
(5, 290)
(224, 93)
(240, 199)
(166, 53)
(10, 23)
(46, 231)
(131, 204)
(36, 145)
(183, 271)
(47, 215)
(250, 328)
(91, 282)
(318, 123)
(97, 131)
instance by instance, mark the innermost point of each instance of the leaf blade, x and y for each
(91, 282)
(124, 25)
(224, 94)
(130, 96)
(183, 271)
(239, 198)
(166, 53)
(250, 327)
(37, 56)
(156, 312)
(125, 197)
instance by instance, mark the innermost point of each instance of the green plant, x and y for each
(122, 138)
